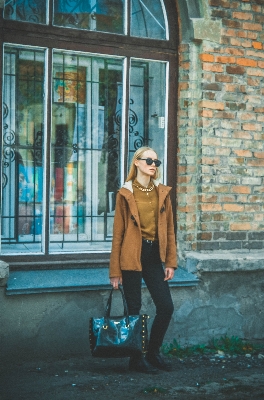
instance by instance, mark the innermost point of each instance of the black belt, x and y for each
(150, 242)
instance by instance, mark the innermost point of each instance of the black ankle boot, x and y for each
(155, 359)
(140, 364)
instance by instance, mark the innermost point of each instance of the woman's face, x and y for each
(143, 168)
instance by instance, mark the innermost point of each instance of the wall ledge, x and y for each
(75, 280)
(4, 272)
(207, 29)
(247, 261)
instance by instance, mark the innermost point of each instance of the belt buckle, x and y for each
(149, 241)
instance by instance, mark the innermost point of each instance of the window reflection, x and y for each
(147, 19)
(85, 169)
(23, 121)
(96, 15)
(147, 106)
(26, 10)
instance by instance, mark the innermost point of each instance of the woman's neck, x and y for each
(143, 179)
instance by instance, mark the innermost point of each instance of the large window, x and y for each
(72, 119)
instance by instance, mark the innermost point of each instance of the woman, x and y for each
(144, 247)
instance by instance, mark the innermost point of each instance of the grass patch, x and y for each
(229, 345)
(234, 345)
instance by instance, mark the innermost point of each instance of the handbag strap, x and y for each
(109, 302)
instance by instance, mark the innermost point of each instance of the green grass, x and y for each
(234, 345)
(229, 345)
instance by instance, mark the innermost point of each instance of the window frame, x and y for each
(53, 37)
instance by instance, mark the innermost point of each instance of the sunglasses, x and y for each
(149, 161)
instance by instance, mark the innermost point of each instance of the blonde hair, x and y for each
(132, 173)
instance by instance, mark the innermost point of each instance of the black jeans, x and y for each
(153, 275)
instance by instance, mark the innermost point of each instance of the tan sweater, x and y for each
(147, 204)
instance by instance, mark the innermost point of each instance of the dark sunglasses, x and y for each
(149, 161)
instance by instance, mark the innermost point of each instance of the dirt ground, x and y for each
(83, 378)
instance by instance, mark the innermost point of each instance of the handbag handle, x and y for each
(109, 304)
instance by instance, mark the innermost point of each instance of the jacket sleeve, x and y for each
(171, 256)
(118, 235)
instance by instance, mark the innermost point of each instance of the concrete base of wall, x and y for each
(4, 273)
(56, 324)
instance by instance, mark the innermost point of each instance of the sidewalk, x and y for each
(84, 378)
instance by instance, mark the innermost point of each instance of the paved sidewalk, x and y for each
(84, 378)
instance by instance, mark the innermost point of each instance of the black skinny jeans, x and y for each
(153, 275)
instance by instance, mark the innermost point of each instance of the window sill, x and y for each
(75, 280)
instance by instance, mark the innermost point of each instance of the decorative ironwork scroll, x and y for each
(26, 10)
(139, 140)
(8, 146)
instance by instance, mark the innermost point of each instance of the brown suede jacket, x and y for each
(127, 238)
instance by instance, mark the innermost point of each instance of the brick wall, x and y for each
(221, 133)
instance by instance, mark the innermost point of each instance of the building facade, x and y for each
(83, 87)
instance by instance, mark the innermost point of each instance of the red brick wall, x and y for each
(221, 133)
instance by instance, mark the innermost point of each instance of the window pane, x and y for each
(147, 122)
(22, 160)
(147, 19)
(34, 11)
(85, 151)
(95, 15)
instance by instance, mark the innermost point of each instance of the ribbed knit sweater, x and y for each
(147, 204)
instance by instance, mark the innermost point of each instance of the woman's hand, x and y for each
(116, 281)
(169, 274)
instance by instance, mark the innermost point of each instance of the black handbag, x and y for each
(122, 336)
